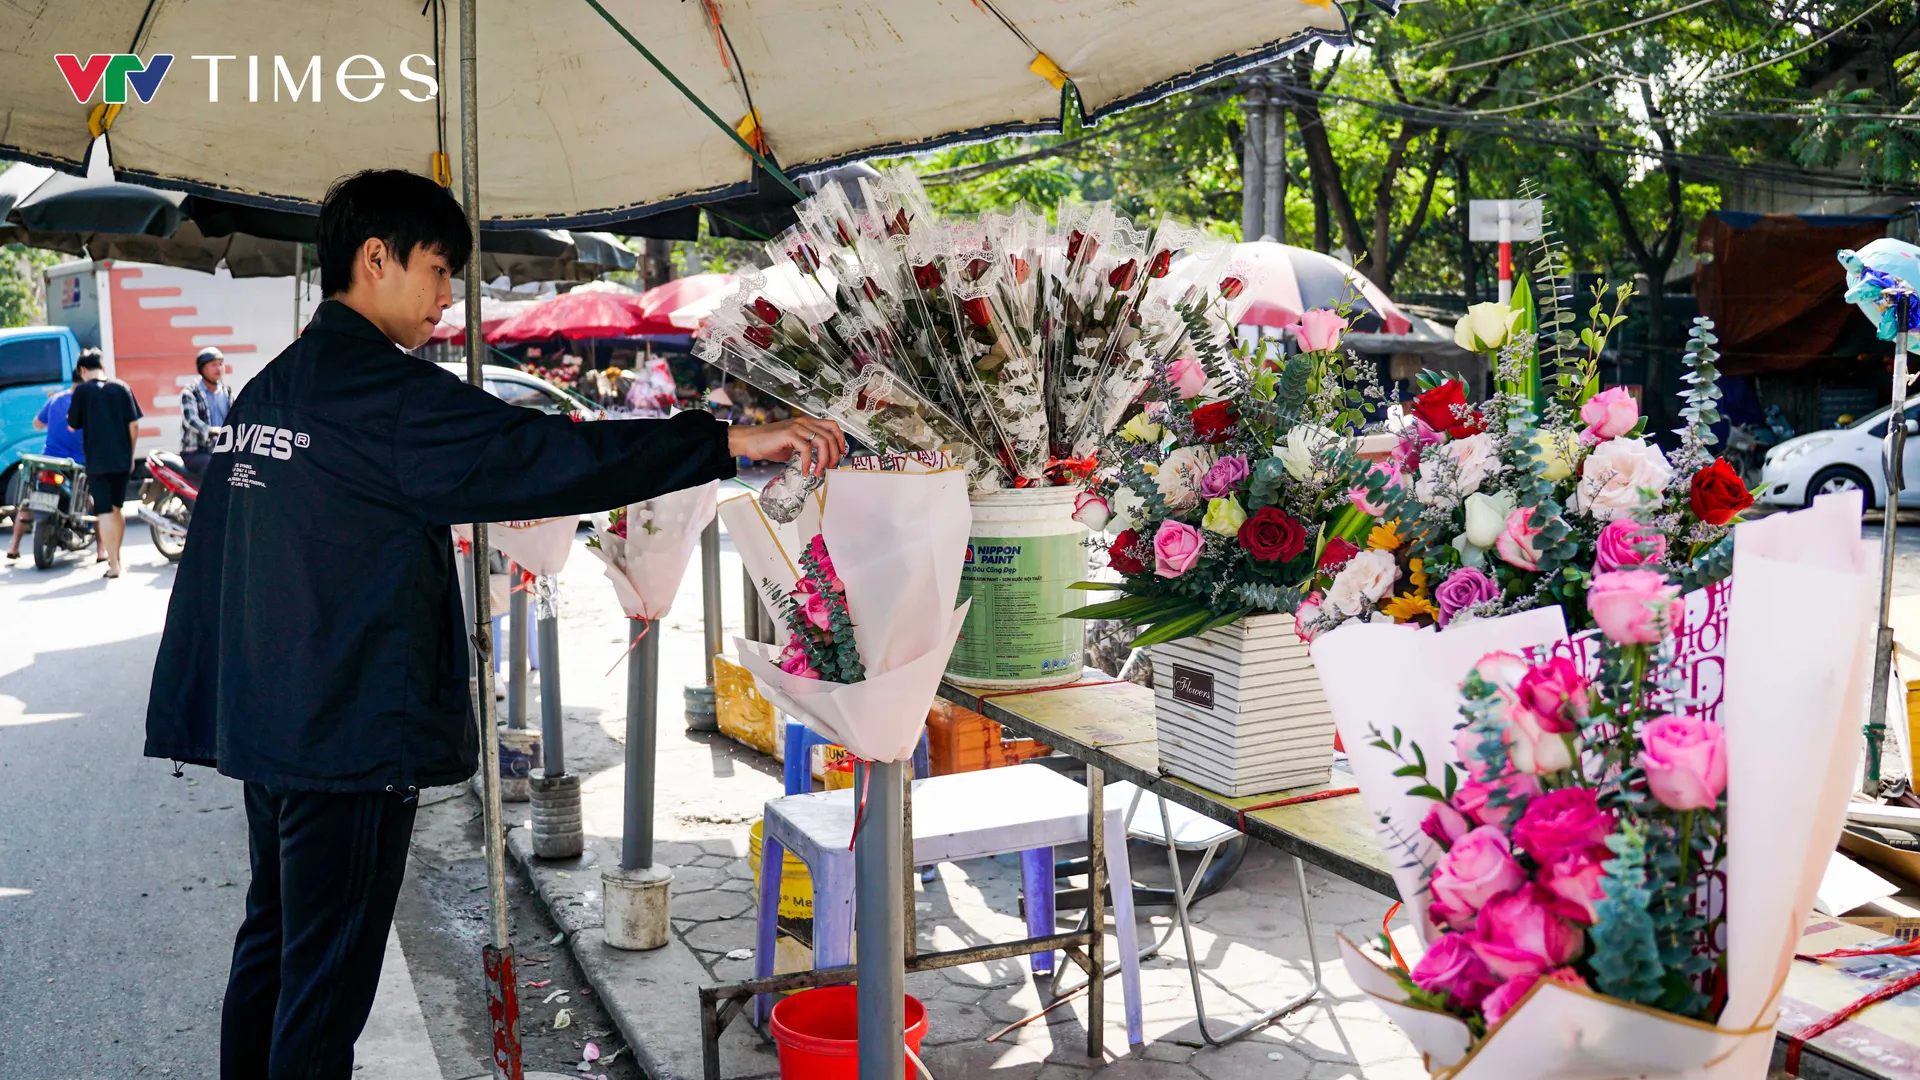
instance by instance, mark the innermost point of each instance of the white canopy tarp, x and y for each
(575, 126)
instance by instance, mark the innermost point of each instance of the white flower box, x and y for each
(1240, 710)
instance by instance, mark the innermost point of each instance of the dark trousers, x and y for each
(326, 874)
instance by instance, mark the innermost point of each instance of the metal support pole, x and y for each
(553, 754)
(516, 653)
(1253, 152)
(881, 928)
(1883, 639)
(643, 687)
(710, 592)
(1273, 200)
(701, 709)
(497, 958)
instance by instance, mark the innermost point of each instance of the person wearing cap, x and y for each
(203, 411)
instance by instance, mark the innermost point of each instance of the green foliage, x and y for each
(1702, 395)
(21, 301)
(1626, 959)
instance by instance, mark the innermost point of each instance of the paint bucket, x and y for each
(818, 1033)
(1025, 552)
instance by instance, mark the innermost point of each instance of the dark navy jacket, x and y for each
(314, 639)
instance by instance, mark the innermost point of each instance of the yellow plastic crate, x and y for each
(744, 715)
(796, 885)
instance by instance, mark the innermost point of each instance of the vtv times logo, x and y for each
(112, 74)
(359, 78)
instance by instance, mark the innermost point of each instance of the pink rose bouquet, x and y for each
(1578, 829)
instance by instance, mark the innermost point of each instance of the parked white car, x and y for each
(1843, 459)
(516, 387)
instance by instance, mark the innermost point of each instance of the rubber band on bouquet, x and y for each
(546, 597)
(646, 624)
(1799, 1039)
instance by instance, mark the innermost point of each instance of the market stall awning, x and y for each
(572, 108)
(493, 312)
(576, 315)
(658, 304)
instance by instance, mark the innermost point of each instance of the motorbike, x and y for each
(166, 502)
(54, 491)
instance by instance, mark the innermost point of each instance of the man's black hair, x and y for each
(403, 209)
(90, 358)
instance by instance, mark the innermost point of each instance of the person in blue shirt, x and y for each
(62, 441)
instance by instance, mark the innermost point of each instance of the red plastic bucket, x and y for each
(818, 1032)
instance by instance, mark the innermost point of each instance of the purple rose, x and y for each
(1226, 474)
(1464, 588)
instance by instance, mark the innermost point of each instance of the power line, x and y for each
(1488, 31)
(1878, 4)
(1572, 40)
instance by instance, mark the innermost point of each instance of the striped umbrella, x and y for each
(1285, 281)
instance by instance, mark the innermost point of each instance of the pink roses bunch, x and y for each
(1514, 908)
(1583, 814)
(820, 642)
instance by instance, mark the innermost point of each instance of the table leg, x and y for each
(1096, 912)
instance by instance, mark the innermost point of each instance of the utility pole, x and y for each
(1253, 155)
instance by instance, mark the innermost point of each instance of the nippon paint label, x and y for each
(1018, 586)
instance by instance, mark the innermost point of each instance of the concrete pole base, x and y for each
(700, 708)
(556, 814)
(519, 756)
(636, 906)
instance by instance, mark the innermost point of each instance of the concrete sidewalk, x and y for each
(1249, 937)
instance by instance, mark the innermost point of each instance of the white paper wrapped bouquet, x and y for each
(1603, 882)
(863, 585)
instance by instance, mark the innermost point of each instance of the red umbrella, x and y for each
(663, 300)
(574, 315)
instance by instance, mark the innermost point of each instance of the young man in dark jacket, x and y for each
(314, 646)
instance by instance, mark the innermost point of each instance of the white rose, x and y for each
(1368, 577)
(1179, 477)
(1091, 510)
(1620, 477)
(1487, 517)
(1121, 507)
(1456, 470)
(1304, 443)
(1485, 327)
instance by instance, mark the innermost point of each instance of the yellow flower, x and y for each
(1416, 573)
(1386, 536)
(1555, 454)
(1224, 516)
(1409, 606)
(1142, 430)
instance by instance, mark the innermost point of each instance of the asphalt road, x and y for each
(121, 886)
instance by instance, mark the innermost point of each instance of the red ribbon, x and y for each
(1331, 793)
(646, 624)
(1388, 931)
(1821, 1027)
(1072, 468)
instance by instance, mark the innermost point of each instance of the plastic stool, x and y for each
(1025, 808)
(797, 769)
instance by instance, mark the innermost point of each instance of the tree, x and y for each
(22, 294)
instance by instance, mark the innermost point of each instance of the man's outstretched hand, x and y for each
(819, 442)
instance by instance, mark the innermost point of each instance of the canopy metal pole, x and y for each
(1896, 449)
(643, 686)
(710, 591)
(553, 751)
(516, 652)
(881, 928)
(497, 957)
